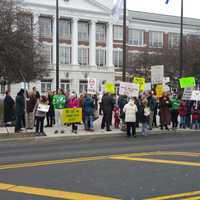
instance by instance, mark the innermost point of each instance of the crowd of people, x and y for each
(120, 111)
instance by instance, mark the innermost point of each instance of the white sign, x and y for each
(129, 89)
(166, 88)
(187, 94)
(195, 95)
(147, 87)
(157, 74)
(166, 80)
(92, 86)
(43, 107)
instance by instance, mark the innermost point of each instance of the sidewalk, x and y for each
(8, 132)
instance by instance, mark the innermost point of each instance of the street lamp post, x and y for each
(124, 43)
(181, 42)
(57, 46)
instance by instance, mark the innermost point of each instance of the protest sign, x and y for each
(140, 82)
(92, 86)
(187, 82)
(109, 87)
(166, 80)
(147, 87)
(166, 88)
(187, 94)
(157, 74)
(195, 95)
(159, 90)
(72, 115)
(43, 107)
(129, 89)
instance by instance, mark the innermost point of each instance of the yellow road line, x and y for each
(192, 198)
(84, 159)
(192, 164)
(59, 194)
(176, 196)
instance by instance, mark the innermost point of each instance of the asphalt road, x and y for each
(103, 168)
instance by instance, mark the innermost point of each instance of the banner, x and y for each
(92, 86)
(187, 94)
(140, 82)
(72, 115)
(147, 87)
(157, 74)
(187, 82)
(159, 90)
(195, 95)
(109, 87)
(129, 89)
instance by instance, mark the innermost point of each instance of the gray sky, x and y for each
(191, 7)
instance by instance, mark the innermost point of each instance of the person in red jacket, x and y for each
(183, 114)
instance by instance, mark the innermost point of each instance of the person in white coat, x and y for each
(130, 110)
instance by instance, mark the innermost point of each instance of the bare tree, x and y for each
(20, 51)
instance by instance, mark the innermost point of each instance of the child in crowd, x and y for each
(145, 117)
(40, 116)
(183, 114)
(195, 117)
(116, 116)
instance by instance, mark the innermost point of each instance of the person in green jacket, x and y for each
(59, 102)
(175, 104)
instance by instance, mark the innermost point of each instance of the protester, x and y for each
(31, 101)
(74, 103)
(195, 117)
(40, 116)
(175, 104)
(50, 115)
(183, 114)
(107, 106)
(130, 110)
(165, 116)
(89, 108)
(20, 111)
(116, 116)
(59, 102)
(9, 111)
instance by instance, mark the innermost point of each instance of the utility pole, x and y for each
(124, 43)
(181, 43)
(57, 46)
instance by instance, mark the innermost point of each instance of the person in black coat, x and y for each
(9, 112)
(19, 110)
(107, 106)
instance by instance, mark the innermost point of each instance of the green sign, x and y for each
(187, 82)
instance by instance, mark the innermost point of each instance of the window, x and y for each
(65, 85)
(118, 57)
(101, 57)
(136, 37)
(100, 33)
(83, 31)
(156, 39)
(2, 88)
(47, 53)
(64, 53)
(173, 40)
(83, 56)
(45, 27)
(118, 33)
(131, 58)
(64, 29)
(83, 84)
(46, 85)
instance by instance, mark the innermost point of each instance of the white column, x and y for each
(109, 44)
(92, 54)
(75, 41)
(54, 39)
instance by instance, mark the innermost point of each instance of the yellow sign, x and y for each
(72, 115)
(140, 82)
(109, 87)
(159, 90)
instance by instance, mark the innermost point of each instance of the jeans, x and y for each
(183, 121)
(144, 128)
(195, 124)
(39, 124)
(131, 125)
(174, 115)
(88, 122)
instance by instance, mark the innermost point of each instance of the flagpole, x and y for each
(57, 46)
(124, 43)
(181, 43)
